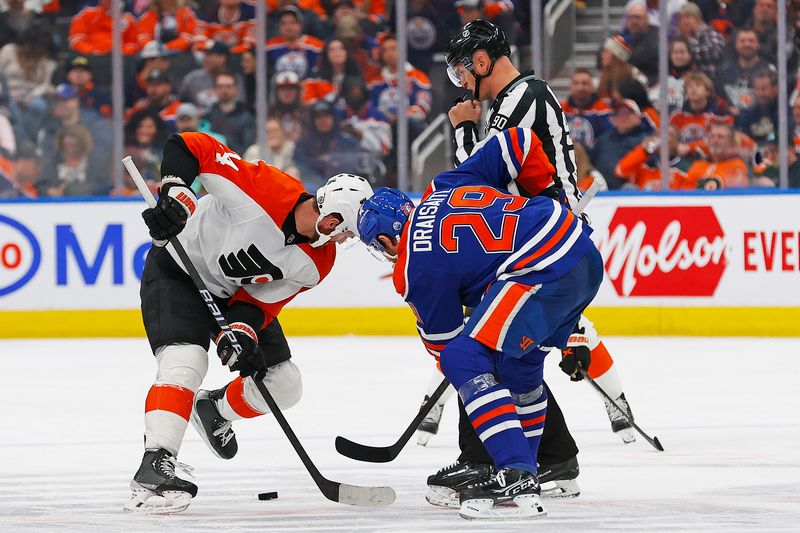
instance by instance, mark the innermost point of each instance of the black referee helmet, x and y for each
(476, 35)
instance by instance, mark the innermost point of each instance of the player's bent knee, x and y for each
(285, 384)
(291, 385)
(463, 358)
(182, 364)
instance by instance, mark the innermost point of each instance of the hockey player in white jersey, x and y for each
(257, 240)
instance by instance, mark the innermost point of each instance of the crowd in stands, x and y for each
(722, 98)
(333, 95)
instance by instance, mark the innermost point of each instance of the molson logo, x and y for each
(664, 251)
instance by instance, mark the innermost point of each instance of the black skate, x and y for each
(216, 431)
(509, 485)
(444, 486)
(619, 424)
(559, 480)
(430, 424)
(155, 487)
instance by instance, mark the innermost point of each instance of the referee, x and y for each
(478, 60)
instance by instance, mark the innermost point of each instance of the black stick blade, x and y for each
(657, 444)
(361, 452)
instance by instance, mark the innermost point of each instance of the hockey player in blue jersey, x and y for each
(527, 266)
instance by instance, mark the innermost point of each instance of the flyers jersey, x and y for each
(468, 233)
(235, 237)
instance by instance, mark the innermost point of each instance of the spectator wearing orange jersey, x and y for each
(701, 108)
(160, 100)
(326, 81)
(231, 23)
(292, 49)
(726, 168)
(169, 23)
(641, 166)
(90, 31)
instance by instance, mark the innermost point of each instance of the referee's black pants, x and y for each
(556, 446)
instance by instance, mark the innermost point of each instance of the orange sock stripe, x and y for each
(172, 398)
(234, 394)
(601, 361)
(497, 411)
(532, 421)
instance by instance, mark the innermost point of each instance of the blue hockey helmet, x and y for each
(384, 213)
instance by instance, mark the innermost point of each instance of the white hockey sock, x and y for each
(181, 369)
(610, 382)
(243, 400)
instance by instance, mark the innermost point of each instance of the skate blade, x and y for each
(525, 507)
(146, 501)
(627, 435)
(423, 437)
(561, 488)
(442, 497)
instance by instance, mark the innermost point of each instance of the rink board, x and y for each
(676, 264)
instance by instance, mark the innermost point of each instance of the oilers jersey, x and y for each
(468, 233)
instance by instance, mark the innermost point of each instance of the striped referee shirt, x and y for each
(528, 102)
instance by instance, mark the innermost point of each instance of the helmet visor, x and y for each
(458, 70)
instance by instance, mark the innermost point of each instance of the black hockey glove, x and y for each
(573, 358)
(250, 360)
(176, 203)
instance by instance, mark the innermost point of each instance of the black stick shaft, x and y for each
(385, 454)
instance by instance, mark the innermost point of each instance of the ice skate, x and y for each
(619, 424)
(444, 486)
(216, 431)
(559, 480)
(155, 487)
(510, 485)
(430, 424)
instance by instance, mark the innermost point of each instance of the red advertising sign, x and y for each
(664, 251)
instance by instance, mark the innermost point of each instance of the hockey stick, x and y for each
(385, 454)
(334, 491)
(653, 441)
(586, 198)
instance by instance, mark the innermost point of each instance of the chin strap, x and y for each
(321, 237)
(478, 78)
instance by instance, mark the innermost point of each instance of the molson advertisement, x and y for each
(679, 264)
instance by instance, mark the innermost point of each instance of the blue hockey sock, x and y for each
(493, 414)
(532, 409)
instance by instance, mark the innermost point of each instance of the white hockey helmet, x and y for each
(342, 195)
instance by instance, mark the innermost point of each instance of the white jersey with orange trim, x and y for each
(235, 238)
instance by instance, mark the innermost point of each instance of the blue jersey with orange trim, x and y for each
(467, 233)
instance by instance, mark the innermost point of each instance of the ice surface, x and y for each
(726, 411)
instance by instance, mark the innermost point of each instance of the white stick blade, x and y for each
(366, 496)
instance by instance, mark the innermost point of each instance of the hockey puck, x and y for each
(268, 496)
